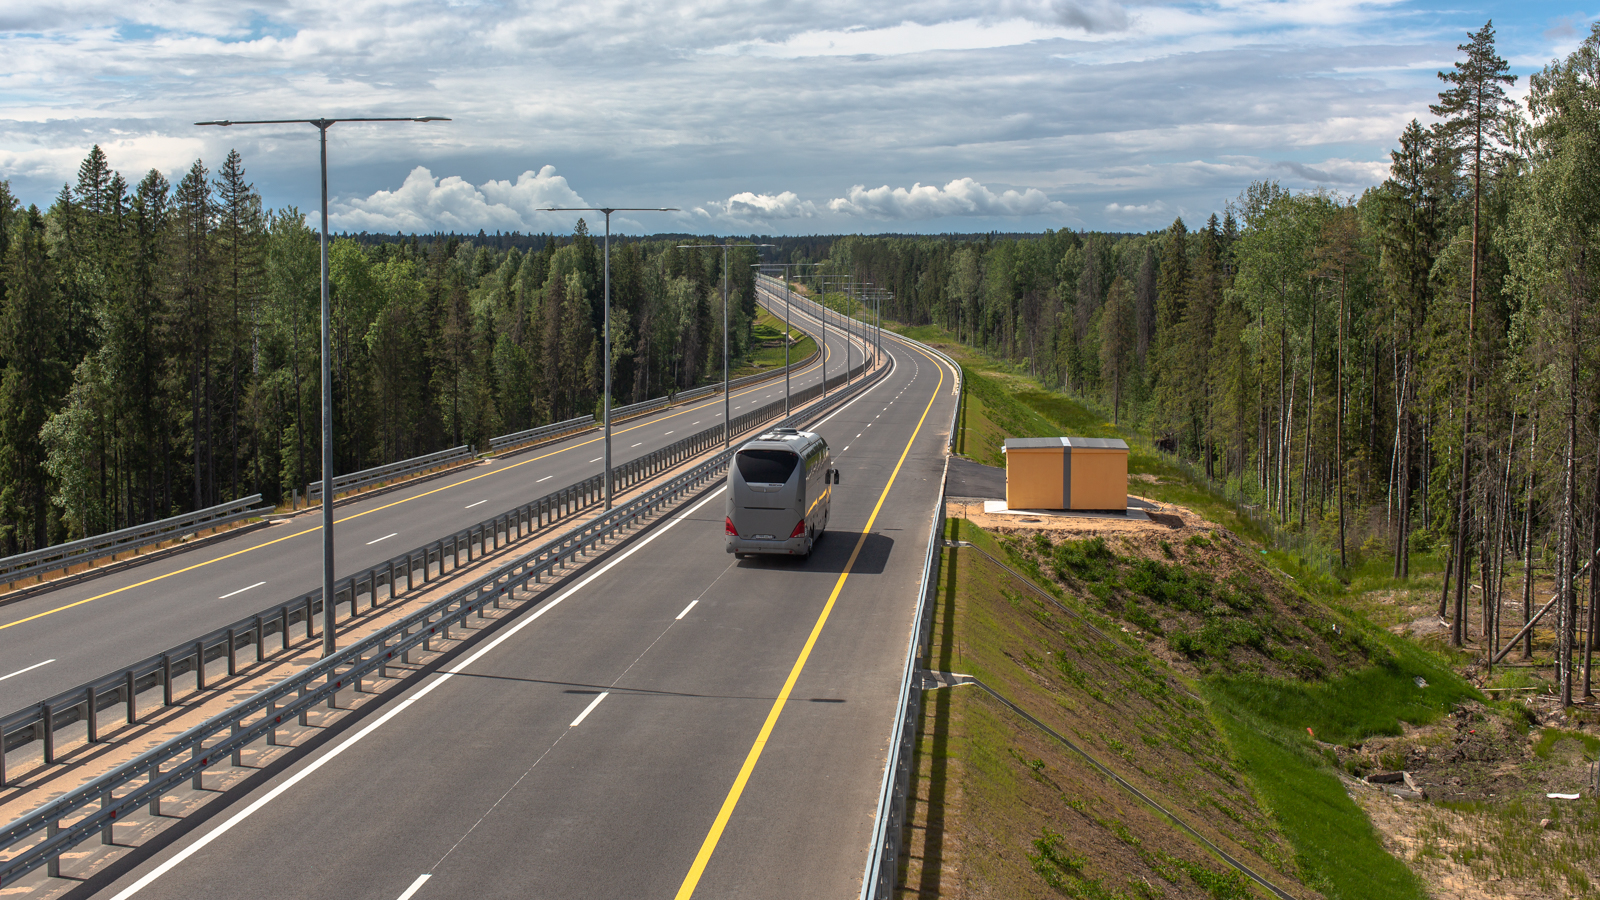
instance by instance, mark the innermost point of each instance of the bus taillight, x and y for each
(732, 531)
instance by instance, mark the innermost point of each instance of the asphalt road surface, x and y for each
(55, 640)
(676, 723)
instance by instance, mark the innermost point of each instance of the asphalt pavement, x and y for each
(676, 723)
(54, 640)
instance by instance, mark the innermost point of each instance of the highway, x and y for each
(54, 640)
(675, 723)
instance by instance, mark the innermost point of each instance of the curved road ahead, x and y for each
(674, 724)
(101, 624)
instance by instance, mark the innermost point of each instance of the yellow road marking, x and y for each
(688, 409)
(709, 846)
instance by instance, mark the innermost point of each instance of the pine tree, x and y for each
(1473, 109)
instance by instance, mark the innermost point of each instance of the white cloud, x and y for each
(1135, 209)
(767, 207)
(424, 203)
(1107, 105)
(961, 197)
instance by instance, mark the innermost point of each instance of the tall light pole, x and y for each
(788, 295)
(727, 429)
(844, 282)
(606, 403)
(322, 125)
(758, 267)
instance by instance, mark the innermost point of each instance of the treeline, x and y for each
(159, 345)
(1412, 370)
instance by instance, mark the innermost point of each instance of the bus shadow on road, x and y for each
(832, 554)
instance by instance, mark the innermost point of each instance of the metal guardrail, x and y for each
(111, 543)
(585, 423)
(94, 808)
(883, 862)
(542, 433)
(401, 469)
(39, 722)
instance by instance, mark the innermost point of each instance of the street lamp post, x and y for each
(788, 296)
(329, 645)
(727, 429)
(605, 403)
(844, 282)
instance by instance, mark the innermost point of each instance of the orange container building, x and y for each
(1066, 473)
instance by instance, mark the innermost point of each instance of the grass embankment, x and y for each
(1270, 659)
(769, 330)
(1005, 810)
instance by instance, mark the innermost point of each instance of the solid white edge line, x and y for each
(387, 536)
(49, 661)
(425, 690)
(675, 618)
(415, 886)
(544, 479)
(479, 503)
(243, 589)
(589, 709)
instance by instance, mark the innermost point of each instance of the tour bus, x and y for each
(778, 491)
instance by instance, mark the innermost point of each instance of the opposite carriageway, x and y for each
(90, 627)
(592, 753)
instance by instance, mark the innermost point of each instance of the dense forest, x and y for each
(159, 345)
(1414, 370)
(1409, 371)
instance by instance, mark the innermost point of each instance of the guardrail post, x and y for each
(310, 624)
(199, 666)
(260, 633)
(304, 711)
(272, 724)
(238, 749)
(48, 720)
(155, 799)
(53, 867)
(166, 679)
(133, 704)
(198, 753)
(283, 630)
(92, 726)
(233, 668)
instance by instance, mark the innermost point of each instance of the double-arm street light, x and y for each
(727, 429)
(843, 281)
(606, 403)
(322, 125)
(786, 327)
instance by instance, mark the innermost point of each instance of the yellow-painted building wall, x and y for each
(1099, 479)
(1033, 479)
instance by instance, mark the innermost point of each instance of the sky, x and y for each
(818, 117)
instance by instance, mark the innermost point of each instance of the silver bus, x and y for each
(778, 491)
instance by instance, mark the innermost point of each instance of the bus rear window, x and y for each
(767, 466)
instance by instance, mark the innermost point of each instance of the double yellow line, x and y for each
(709, 845)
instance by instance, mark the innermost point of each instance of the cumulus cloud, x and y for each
(425, 203)
(961, 197)
(767, 207)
